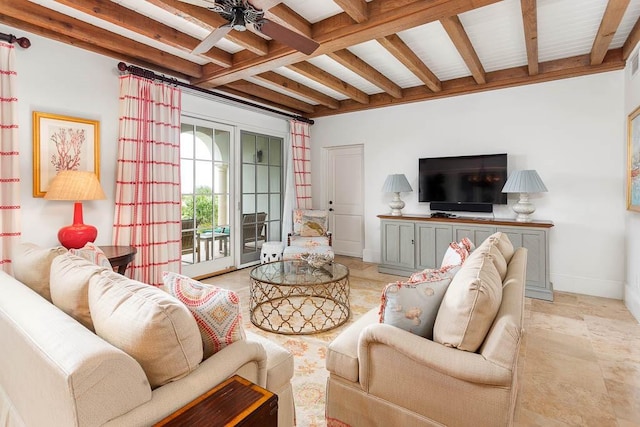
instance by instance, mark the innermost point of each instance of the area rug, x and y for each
(310, 376)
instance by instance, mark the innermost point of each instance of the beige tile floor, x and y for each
(579, 363)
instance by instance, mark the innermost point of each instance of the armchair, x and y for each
(381, 375)
(310, 234)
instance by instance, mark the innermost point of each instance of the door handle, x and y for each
(330, 209)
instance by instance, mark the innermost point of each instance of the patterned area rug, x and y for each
(310, 375)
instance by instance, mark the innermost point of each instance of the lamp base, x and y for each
(524, 208)
(76, 235)
(396, 205)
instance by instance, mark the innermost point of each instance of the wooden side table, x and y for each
(234, 402)
(119, 256)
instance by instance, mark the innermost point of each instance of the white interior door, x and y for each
(345, 176)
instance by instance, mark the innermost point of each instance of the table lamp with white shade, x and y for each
(76, 186)
(396, 183)
(524, 182)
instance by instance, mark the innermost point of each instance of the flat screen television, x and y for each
(463, 182)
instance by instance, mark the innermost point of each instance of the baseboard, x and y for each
(588, 286)
(632, 301)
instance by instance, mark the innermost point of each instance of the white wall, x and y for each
(57, 78)
(568, 130)
(632, 219)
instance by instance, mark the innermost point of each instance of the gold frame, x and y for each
(43, 124)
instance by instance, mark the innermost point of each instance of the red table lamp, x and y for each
(76, 186)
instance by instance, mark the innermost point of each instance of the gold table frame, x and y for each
(293, 298)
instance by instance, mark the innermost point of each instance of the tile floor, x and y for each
(579, 361)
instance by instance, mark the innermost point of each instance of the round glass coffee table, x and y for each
(293, 298)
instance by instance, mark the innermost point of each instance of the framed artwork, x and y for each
(63, 143)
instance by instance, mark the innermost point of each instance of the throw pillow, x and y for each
(31, 265)
(414, 306)
(502, 242)
(92, 253)
(70, 275)
(216, 310)
(456, 254)
(153, 327)
(314, 225)
(433, 274)
(470, 304)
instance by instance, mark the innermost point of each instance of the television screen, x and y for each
(463, 179)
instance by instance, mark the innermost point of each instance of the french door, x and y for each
(206, 169)
(262, 188)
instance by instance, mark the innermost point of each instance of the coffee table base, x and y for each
(299, 309)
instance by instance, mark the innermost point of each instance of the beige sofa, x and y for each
(380, 375)
(57, 372)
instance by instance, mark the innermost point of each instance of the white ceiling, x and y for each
(565, 28)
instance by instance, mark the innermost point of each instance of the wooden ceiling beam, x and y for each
(608, 26)
(270, 95)
(356, 9)
(250, 97)
(518, 76)
(298, 88)
(366, 71)
(460, 39)
(405, 55)
(339, 32)
(145, 26)
(317, 74)
(210, 21)
(631, 41)
(530, 24)
(44, 20)
(287, 17)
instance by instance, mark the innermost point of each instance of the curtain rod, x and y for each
(22, 41)
(141, 72)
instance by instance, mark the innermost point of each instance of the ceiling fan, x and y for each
(241, 13)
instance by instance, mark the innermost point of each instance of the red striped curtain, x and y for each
(147, 211)
(301, 151)
(9, 164)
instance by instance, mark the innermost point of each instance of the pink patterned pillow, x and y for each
(456, 254)
(92, 253)
(216, 310)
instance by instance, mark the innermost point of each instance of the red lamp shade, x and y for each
(76, 185)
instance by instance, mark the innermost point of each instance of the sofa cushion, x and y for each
(31, 265)
(502, 242)
(494, 254)
(413, 306)
(92, 253)
(469, 305)
(148, 324)
(216, 310)
(69, 284)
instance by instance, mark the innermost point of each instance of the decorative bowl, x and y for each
(316, 260)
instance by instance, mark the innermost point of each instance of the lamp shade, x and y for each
(75, 185)
(396, 183)
(526, 181)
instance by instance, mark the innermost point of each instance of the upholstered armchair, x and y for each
(310, 234)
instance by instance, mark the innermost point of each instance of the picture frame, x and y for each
(62, 143)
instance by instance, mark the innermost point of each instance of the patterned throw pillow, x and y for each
(216, 310)
(309, 222)
(414, 306)
(92, 253)
(456, 254)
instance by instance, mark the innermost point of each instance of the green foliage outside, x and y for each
(206, 208)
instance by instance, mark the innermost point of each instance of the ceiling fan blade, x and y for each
(287, 36)
(213, 38)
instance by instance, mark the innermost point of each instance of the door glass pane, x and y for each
(205, 152)
(261, 192)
